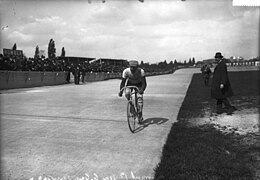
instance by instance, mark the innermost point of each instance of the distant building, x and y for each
(109, 65)
(112, 62)
(12, 53)
(212, 62)
(236, 59)
(209, 61)
(76, 60)
(199, 64)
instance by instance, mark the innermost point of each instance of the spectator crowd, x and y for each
(52, 65)
(58, 64)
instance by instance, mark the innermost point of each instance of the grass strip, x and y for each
(203, 152)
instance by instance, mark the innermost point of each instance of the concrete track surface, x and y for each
(80, 131)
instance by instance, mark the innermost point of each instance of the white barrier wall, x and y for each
(25, 79)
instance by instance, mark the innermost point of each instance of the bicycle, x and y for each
(133, 108)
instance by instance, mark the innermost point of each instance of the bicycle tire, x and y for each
(131, 119)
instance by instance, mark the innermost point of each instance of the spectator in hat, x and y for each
(221, 88)
(134, 76)
(206, 74)
(83, 74)
(76, 74)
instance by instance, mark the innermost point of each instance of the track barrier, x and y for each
(26, 79)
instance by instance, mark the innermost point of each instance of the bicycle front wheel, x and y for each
(131, 118)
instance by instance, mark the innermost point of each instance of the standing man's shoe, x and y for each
(230, 109)
(219, 109)
(233, 108)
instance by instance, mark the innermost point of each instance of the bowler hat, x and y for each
(218, 55)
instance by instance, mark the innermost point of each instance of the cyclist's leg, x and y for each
(140, 104)
(127, 93)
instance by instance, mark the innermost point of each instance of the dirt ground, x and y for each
(242, 123)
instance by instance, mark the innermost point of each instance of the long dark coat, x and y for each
(220, 76)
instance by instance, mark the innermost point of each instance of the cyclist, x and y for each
(134, 76)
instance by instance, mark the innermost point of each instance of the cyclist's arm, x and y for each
(122, 83)
(144, 84)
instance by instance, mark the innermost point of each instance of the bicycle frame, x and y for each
(134, 90)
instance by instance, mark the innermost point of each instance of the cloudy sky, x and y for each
(152, 31)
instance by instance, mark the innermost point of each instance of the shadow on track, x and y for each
(151, 121)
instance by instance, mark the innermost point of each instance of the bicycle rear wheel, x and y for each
(131, 118)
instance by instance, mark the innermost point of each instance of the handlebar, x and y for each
(134, 87)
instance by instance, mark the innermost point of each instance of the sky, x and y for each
(152, 31)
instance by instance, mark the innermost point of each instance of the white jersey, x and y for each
(133, 78)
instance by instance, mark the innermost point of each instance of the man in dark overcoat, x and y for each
(221, 88)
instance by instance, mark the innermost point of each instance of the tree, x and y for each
(162, 65)
(51, 49)
(37, 53)
(175, 63)
(193, 60)
(190, 63)
(142, 64)
(62, 52)
(14, 47)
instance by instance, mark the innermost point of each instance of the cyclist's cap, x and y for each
(133, 63)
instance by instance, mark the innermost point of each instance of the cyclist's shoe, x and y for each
(140, 118)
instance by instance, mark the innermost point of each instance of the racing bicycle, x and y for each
(133, 108)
